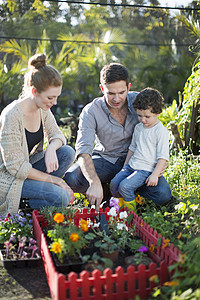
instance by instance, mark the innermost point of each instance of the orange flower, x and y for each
(139, 200)
(84, 225)
(142, 224)
(170, 283)
(151, 248)
(179, 236)
(74, 237)
(182, 258)
(153, 278)
(56, 247)
(166, 242)
(58, 218)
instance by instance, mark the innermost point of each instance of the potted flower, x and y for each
(15, 224)
(20, 251)
(67, 242)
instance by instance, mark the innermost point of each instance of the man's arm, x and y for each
(95, 191)
(152, 180)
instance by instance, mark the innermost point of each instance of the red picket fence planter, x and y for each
(109, 285)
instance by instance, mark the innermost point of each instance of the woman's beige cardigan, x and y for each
(15, 162)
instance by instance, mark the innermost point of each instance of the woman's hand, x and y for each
(65, 186)
(51, 160)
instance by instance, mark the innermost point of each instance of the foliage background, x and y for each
(79, 39)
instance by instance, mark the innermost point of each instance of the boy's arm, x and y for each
(152, 180)
(128, 156)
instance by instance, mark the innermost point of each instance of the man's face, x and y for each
(115, 93)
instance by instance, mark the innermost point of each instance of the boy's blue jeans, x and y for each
(127, 181)
(43, 193)
(107, 171)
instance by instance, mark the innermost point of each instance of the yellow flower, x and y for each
(171, 283)
(74, 237)
(153, 278)
(166, 242)
(58, 218)
(182, 258)
(56, 247)
(84, 225)
(86, 203)
(142, 224)
(151, 248)
(179, 236)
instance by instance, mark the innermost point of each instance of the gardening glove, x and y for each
(131, 205)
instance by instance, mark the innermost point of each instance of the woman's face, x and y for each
(46, 99)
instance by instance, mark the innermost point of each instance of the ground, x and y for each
(23, 283)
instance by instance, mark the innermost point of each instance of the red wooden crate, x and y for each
(109, 285)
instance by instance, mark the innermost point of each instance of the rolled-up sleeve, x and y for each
(86, 132)
(51, 127)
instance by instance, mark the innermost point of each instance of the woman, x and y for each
(25, 169)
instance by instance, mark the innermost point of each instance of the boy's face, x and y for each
(147, 118)
(115, 94)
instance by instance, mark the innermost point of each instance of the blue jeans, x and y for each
(126, 182)
(43, 193)
(107, 171)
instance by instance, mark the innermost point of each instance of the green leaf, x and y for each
(159, 242)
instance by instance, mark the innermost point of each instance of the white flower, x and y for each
(194, 207)
(123, 215)
(180, 206)
(112, 212)
(120, 226)
(90, 223)
(96, 225)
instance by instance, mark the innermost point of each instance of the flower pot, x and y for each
(69, 264)
(131, 260)
(113, 255)
(10, 263)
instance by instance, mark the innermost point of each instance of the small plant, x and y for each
(20, 248)
(68, 239)
(15, 225)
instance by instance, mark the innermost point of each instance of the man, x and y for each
(108, 122)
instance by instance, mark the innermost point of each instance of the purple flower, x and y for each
(143, 249)
(114, 203)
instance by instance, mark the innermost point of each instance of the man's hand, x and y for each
(95, 194)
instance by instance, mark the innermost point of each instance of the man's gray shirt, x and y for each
(99, 132)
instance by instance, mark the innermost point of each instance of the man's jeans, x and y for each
(107, 171)
(43, 193)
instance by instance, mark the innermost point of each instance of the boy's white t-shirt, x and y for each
(148, 145)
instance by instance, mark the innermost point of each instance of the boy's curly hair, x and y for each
(149, 98)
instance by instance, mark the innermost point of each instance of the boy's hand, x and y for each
(152, 180)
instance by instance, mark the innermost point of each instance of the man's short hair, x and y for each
(149, 98)
(114, 72)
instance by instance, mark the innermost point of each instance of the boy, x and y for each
(148, 151)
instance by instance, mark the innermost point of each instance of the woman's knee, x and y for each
(62, 199)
